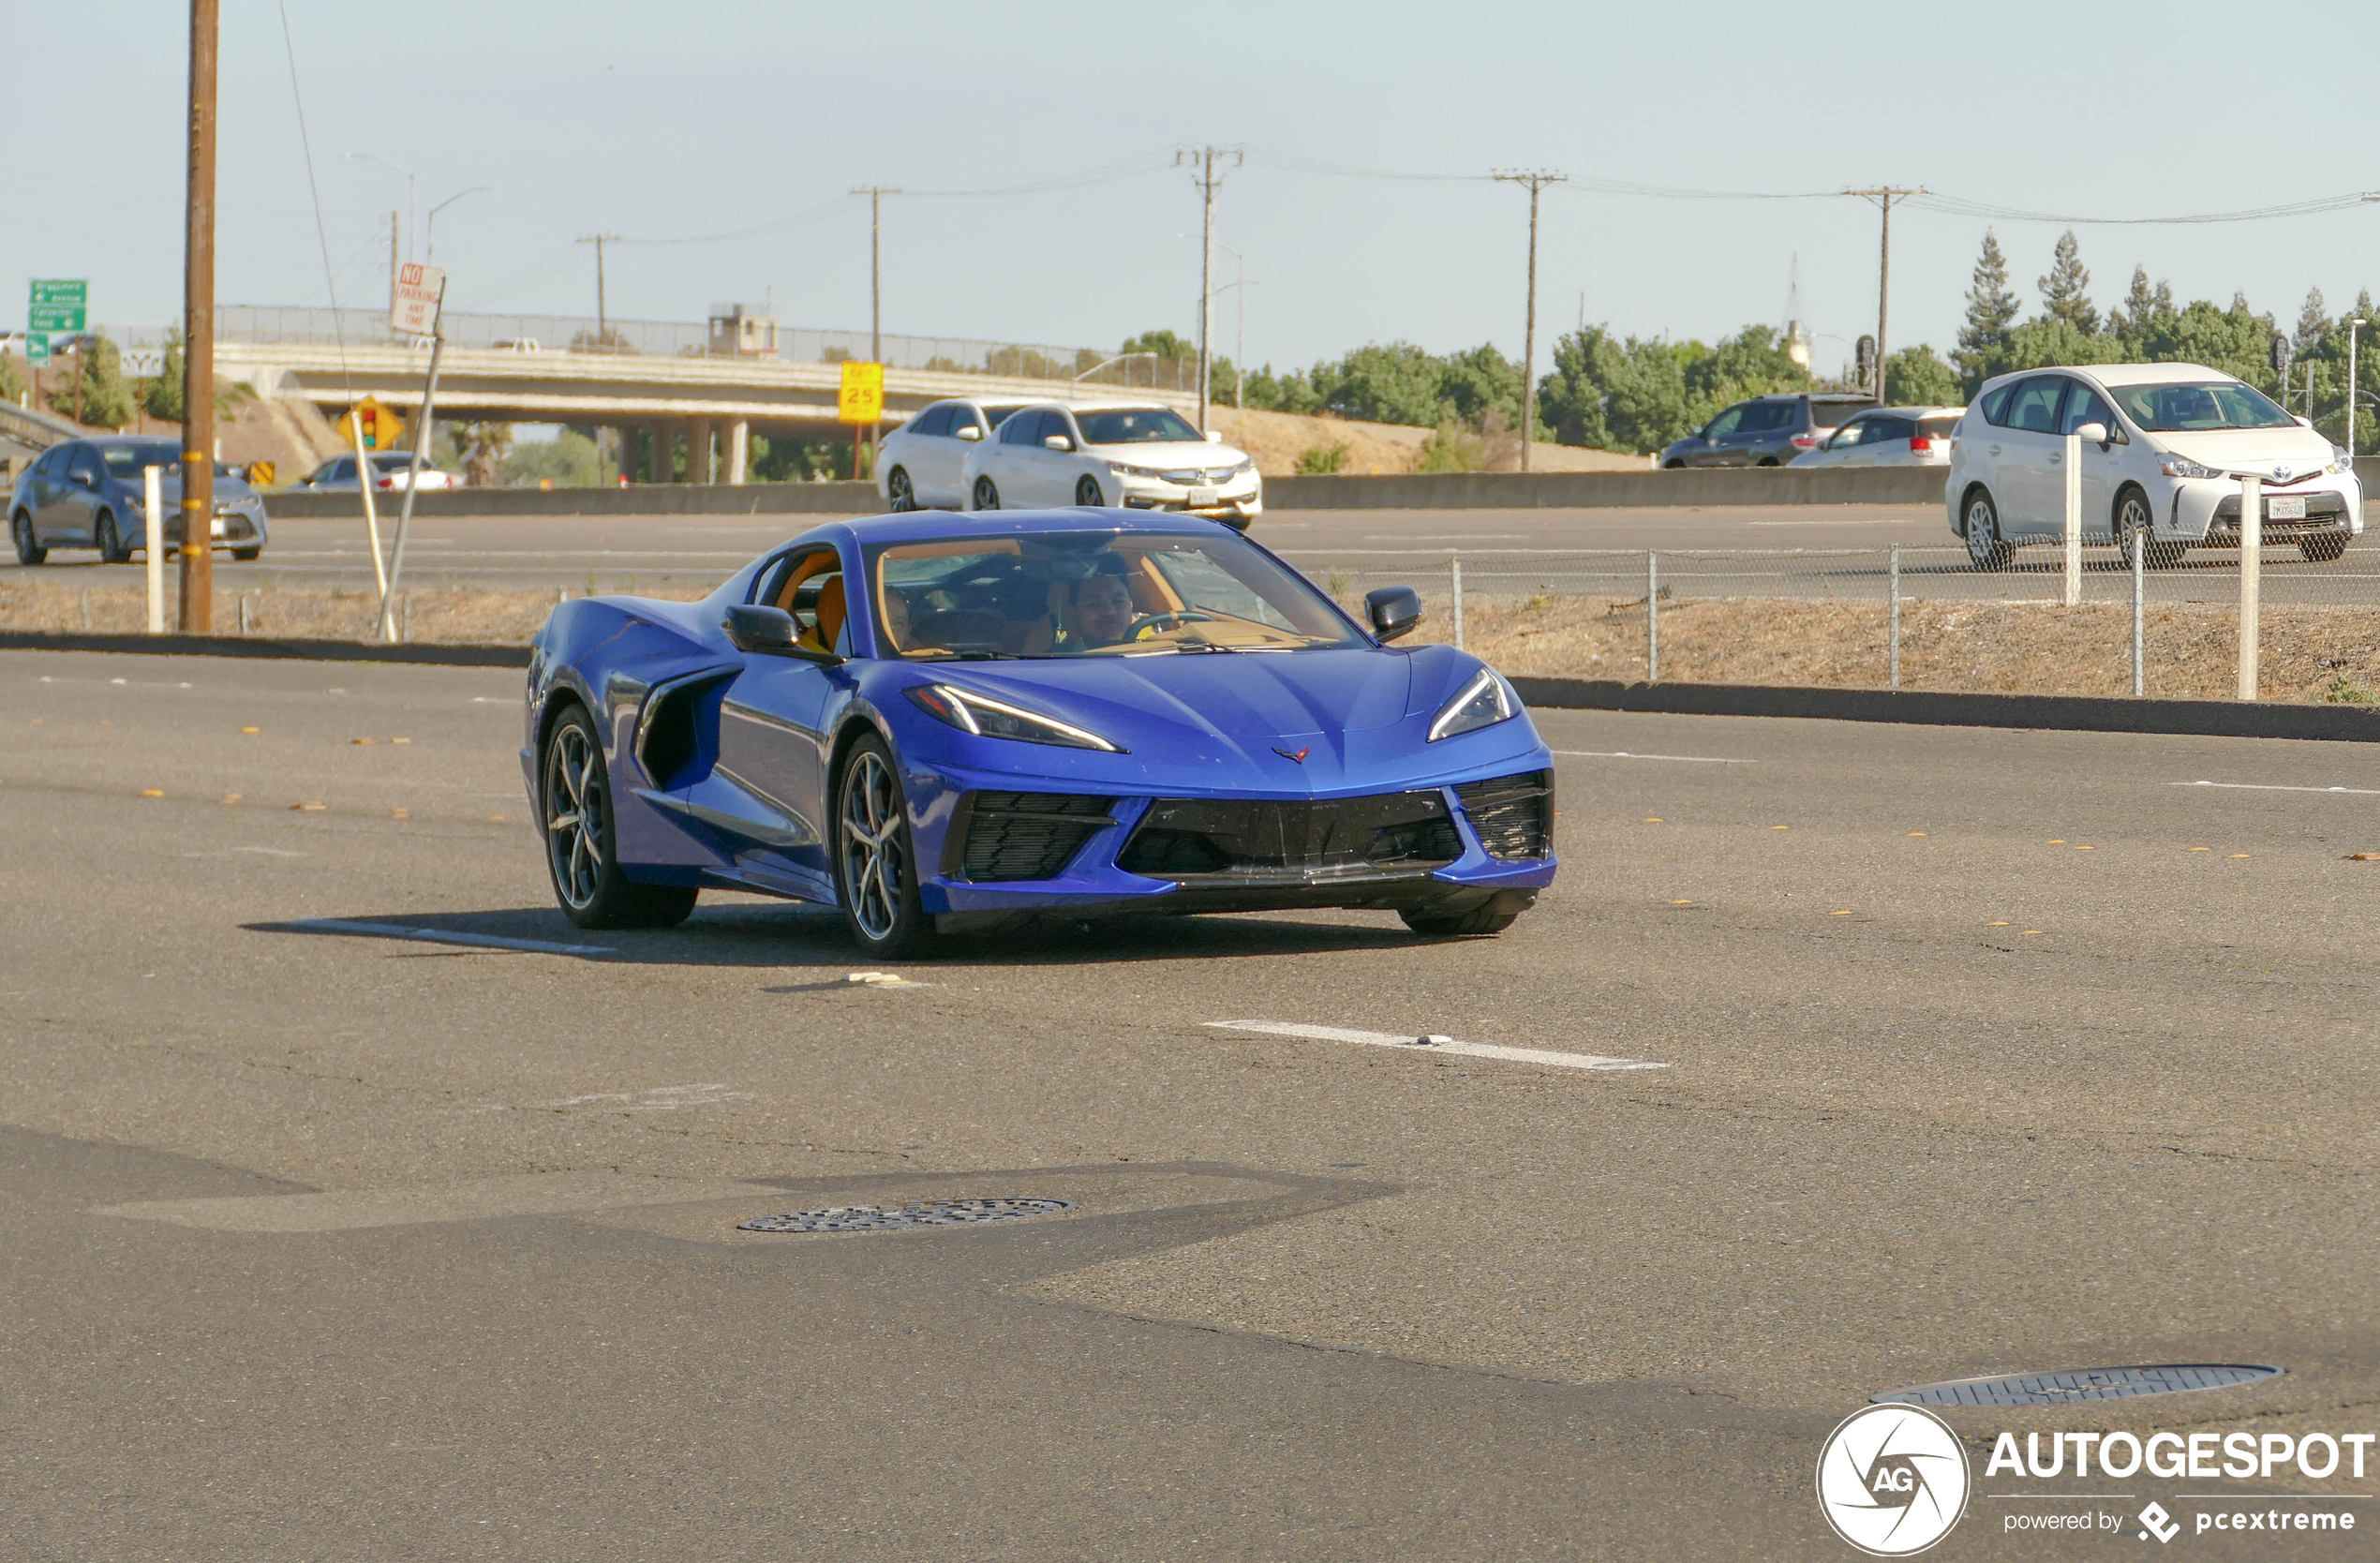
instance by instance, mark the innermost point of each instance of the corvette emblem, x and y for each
(1298, 756)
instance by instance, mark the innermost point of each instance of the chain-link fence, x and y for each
(1906, 618)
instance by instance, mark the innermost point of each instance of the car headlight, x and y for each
(1245, 467)
(1131, 471)
(988, 718)
(2182, 467)
(1483, 701)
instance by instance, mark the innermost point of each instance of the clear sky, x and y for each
(665, 123)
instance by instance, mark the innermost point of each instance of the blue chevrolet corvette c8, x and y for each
(944, 725)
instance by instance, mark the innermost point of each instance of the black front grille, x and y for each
(1181, 838)
(1512, 815)
(1025, 835)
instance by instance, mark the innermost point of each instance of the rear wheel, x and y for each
(986, 494)
(1986, 547)
(580, 844)
(876, 858)
(902, 493)
(1449, 924)
(21, 533)
(111, 548)
(1672, 465)
(248, 555)
(1087, 491)
(2324, 548)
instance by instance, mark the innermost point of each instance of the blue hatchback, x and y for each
(90, 494)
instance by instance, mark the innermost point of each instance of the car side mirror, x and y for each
(2301, 420)
(2093, 433)
(973, 431)
(1057, 442)
(1214, 437)
(768, 632)
(1393, 610)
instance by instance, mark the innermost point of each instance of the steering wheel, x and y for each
(1166, 620)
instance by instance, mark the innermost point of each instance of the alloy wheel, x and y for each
(904, 496)
(574, 815)
(986, 496)
(872, 857)
(2133, 525)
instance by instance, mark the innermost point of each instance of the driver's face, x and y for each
(1105, 608)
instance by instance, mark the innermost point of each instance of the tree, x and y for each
(164, 399)
(2066, 291)
(1991, 309)
(480, 448)
(13, 382)
(1164, 344)
(2313, 322)
(1917, 377)
(105, 396)
(568, 459)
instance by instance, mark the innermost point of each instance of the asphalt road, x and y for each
(1826, 551)
(323, 1245)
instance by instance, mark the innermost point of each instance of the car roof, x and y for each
(1913, 410)
(2109, 375)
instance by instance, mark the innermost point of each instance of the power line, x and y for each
(602, 319)
(1536, 180)
(1203, 159)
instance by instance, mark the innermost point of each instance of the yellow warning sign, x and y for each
(383, 429)
(861, 399)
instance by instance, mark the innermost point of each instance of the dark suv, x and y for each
(1766, 431)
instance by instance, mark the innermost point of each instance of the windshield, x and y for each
(126, 458)
(401, 461)
(1074, 594)
(1135, 425)
(2210, 405)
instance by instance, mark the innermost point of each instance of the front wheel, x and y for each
(248, 555)
(876, 858)
(111, 548)
(1087, 492)
(581, 851)
(986, 494)
(2323, 549)
(2135, 533)
(20, 532)
(1986, 547)
(902, 493)
(1451, 925)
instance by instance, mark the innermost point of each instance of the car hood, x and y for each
(2256, 451)
(1169, 452)
(1234, 699)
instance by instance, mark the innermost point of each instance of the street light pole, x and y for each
(603, 322)
(2353, 326)
(1536, 179)
(1240, 362)
(197, 614)
(430, 248)
(412, 203)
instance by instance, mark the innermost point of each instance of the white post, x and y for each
(1892, 635)
(422, 430)
(2139, 666)
(2251, 560)
(363, 476)
(1457, 571)
(153, 497)
(2074, 519)
(1652, 617)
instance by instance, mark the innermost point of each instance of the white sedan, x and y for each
(1128, 454)
(2163, 448)
(1888, 437)
(390, 469)
(922, 464)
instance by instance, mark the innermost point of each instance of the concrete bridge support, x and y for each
(739, 436)
(698, 450)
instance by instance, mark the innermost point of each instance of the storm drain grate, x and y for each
(2056, 1389)
(908, 1214)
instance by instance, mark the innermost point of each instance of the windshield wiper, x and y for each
(966, 656)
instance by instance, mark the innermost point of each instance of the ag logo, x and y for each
(1893, 1479)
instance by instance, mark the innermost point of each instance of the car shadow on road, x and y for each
(793, 938)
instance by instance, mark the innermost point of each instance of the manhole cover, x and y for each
(2054, 1388)
(909, 1213)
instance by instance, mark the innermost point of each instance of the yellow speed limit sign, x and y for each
(861, 400)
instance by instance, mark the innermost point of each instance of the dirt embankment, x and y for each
(1277, 440)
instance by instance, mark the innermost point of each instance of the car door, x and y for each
(41, 488)
(933, 454)
(769, 786)
(2099, 468)
(1843, 448)
(2032, 486)
(75, 515)
(1053, 481)
(1718, 435)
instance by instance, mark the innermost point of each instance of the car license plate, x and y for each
(2285, 508)
(1200, 497)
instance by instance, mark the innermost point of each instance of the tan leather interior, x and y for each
(831, 612)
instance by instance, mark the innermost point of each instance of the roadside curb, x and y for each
(257, 645)
(2215, 719)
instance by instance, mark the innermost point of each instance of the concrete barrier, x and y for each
(647, 499)
(1706, 486)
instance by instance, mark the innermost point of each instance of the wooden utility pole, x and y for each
(1884, 195)
(875, 194)
(602, 319)
(395, 264)
(1536, 179)
(1203, 159)
(198, 332)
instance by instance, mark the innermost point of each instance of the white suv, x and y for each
(1125, 453)
(2175, 440)
(922, 462)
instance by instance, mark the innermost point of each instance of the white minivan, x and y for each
(2164, 450)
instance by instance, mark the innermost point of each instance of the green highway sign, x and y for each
(37, 346)
(55, 317)
(60, 290)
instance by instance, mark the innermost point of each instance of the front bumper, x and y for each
(1242, 497)
(2207, 510)
(232, 528)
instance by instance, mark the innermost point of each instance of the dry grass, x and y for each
(2309, 654)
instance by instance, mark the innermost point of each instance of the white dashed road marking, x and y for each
(2272, 787)
(1437, 1045)
(1624, 754)
(441, 936)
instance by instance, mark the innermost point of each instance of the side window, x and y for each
(81, 467)
(2084, 405)
(1019, 430)
(342, 469)
(2034, 408)
(935, 419)
(1774, 416)
(1884, 431)
(52, 465)
(1053, 422)
(1995, 406)
(1727, 423)
(1849, 434)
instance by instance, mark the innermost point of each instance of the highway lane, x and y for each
(1832, 551)
(1983, 1052)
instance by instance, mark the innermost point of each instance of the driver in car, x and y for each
(1104, 610)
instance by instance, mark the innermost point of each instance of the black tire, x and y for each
(248, 555)
(29, 553)
(987, 494)
(1452, 925)
(875, 857)
(901, 493)
(111, 542)
(1766, 461)
(2324, 547)
(1673, 467)
(1087, 492)
(1986, 548)
(575, 804)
